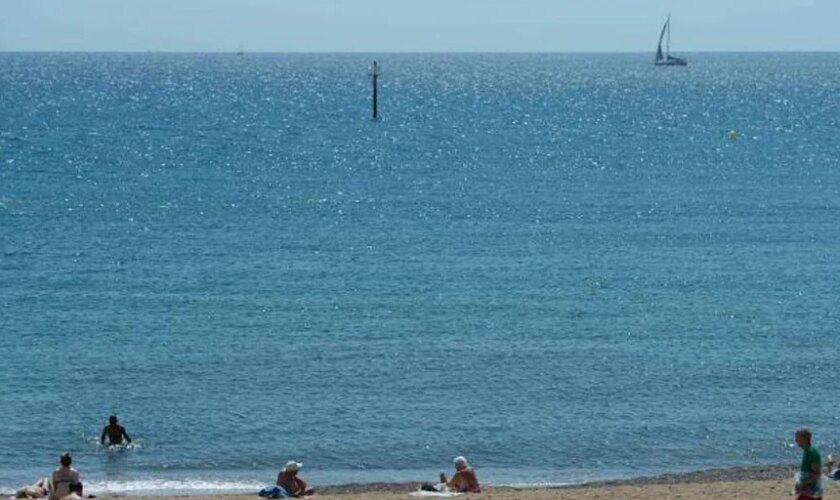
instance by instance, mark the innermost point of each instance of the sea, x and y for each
(565, 267)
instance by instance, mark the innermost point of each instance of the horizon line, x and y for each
(351, 52)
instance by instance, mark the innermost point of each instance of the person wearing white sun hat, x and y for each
(464, 480)
(289, 480)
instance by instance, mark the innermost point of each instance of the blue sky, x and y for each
(416, 25)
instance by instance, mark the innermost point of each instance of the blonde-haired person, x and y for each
(464, 480)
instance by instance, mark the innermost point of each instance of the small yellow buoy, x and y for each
(732, 134)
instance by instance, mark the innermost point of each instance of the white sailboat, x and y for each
(665, 58)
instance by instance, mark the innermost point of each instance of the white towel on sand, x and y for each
(421, 493)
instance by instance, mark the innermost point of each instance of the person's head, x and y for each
(113, 420)
(76, 488)
(66, 460)
(292, 467)
(803, 437)
(460, 463)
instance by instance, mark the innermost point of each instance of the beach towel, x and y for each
(434, 490)
(274, 491)
(421, 493)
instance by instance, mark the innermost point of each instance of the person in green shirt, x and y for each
(809, 485)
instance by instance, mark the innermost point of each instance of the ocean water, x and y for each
(557, 265)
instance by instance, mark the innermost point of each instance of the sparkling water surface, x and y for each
(557, 265)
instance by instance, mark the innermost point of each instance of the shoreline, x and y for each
(778, 476)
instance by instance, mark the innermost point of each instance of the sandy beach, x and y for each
(688, 491)
(760, 483)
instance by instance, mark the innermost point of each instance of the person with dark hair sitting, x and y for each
(65, 479)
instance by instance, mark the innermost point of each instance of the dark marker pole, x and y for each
(375, 75)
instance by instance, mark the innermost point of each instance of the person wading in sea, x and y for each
(115, 432)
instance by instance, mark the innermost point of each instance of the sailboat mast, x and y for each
(375, 75)
(668, 40)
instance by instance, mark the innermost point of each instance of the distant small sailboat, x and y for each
(665, 58)
(241, 51)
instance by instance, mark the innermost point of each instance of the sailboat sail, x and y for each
(659, 55)
(665, 58)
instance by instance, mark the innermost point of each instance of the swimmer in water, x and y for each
(115, 432)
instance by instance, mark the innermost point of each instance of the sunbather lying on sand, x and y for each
(830, 470)
(38, 489)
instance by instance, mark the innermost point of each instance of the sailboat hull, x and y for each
(673, 61)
